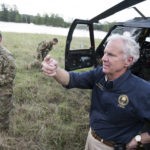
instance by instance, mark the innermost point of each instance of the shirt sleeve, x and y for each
(7, 70)
(143, 106)
(84, 80)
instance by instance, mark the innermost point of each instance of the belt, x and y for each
(111, 144)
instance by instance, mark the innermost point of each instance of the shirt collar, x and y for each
(117, 82)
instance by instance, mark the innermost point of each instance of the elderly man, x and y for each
(7, 75)
(120, 101)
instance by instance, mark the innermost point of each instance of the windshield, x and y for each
(134, 32)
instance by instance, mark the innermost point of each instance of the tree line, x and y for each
(11, 14)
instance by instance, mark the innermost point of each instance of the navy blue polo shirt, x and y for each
(117, 112)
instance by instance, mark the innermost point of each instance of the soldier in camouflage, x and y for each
(7, 75)
(43, 49)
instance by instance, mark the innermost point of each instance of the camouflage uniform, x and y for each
(43, 49)
(7, 75)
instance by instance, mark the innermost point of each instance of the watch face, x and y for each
(138, 138)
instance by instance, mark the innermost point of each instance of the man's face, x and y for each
(113, 60)
(54, 42)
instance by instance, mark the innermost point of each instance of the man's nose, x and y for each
(104, 58)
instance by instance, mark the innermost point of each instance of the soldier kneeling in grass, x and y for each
(43, 49)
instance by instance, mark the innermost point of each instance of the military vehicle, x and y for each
(89, 55)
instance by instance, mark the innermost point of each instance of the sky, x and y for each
(76, 9)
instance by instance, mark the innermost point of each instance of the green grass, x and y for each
(46, 116)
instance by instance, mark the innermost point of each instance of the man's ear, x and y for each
(129, 61)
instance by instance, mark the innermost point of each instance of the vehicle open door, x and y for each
(80, 52)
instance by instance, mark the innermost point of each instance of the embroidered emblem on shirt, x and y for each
(100, 86)
(123, 100)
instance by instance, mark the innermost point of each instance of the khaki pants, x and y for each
(94, 144)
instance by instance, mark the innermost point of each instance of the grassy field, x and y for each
(46, 116)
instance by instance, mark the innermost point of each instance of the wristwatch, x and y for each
(138, 138)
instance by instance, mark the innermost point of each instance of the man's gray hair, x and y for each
(131, 46)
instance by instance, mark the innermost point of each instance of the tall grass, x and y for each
(45, 116)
